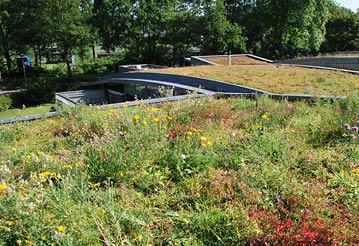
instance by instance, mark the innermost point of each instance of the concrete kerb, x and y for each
(148, 81)
(204, 61)
(27, 118)
(233, 55)
(185, 80)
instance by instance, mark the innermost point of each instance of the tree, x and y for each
(179, 35)
(342, 30)
(113, 20)
(12, 18)
(218, 34)
(279, 28)
(69, 27)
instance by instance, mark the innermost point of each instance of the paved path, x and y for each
(6, 92)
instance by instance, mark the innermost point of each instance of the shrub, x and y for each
(40, 90)
(98, 66)
(5, 103)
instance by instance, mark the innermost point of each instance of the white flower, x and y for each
(183, 157)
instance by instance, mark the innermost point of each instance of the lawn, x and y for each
(45, 108)
(277, 79)
(197, 172)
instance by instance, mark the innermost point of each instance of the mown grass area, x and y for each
(196, 172)
(45, 108)
(277, 79)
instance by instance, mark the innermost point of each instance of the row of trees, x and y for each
(165, 31)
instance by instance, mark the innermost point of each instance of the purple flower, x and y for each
(347, 126)
(355, 129)
(120, 134)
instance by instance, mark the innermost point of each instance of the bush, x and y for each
(40, 90)
(98, 66)
(5, 103)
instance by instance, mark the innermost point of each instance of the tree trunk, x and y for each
(40, 57)
(94, 53)
(36, 56)
(8, 58)
(68, 62)
(68, 66)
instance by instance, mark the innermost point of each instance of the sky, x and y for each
(350, 4)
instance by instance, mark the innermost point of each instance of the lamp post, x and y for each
(229, 58)
(24, 68)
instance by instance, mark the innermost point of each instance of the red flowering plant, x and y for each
(276, 229)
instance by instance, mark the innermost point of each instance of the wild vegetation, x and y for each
(276, 78)
(5, 103)
(197, 172)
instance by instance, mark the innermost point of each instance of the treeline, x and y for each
(166, 31)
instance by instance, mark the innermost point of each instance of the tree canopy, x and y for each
(166, 31)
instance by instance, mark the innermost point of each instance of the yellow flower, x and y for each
(3, 187)
(10, 223)
(18, 242)
(169, 118)
(29, 242)
(112, 111)
(14, 150)
(45, 174)
(203, 139)
(137, 117)
(205, 142)
(156, 119)
(61, 229)
(265, 117)
(48, 174)
(154, 109)
(138, 238)
(145, 122)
